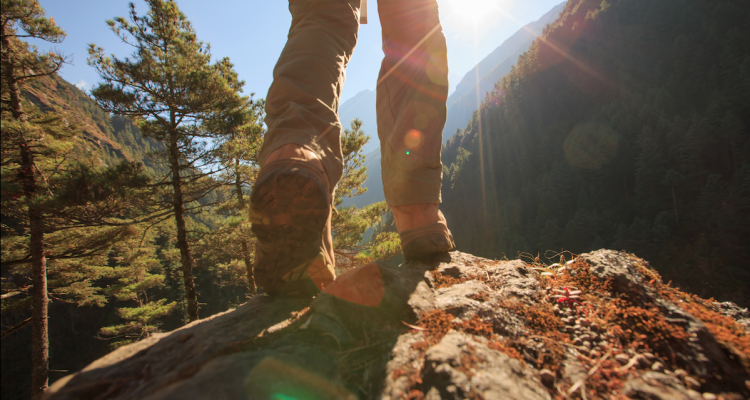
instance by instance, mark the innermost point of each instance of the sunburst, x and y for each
(476, 12)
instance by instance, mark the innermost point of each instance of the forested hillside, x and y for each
(463, 102)
(111, 138)
(625, 126)
(91, 298)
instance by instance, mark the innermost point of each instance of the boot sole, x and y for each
(288, 209)
(422, 243)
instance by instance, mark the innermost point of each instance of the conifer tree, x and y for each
(349, 224)
(55, 204)
(139, 274)
(26, 138)
(171, 88)
(238, 153)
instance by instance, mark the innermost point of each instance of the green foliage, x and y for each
(231, 239)
(355, 173)
(453, 172)
(139, 323)
(36, 165)
(384, 246)
(175, 95)
(179, 98)
(20, 60)
(623, 126)
(81, 207)
(349, 224)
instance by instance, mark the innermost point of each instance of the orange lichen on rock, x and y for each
(726, 331)
(480, 297)
(731, 335)
(476, 326)
(581, 278)
(444, 281)
(612, 332)
(639, 326)
(542, 324)
(414, 377)
(414, 394)
(540, 318)
(503, 347)
(437, 322)
(606, 379)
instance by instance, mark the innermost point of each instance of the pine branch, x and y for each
(15, 328)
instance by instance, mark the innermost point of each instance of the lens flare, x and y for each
(362, 285)
(281, 396)
(413, 139)
(437, 67)
(282, 380)
(468, 13)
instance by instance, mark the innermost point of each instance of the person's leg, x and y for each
(303, 100)
(301, 159)
(411, 105)
(411, 95)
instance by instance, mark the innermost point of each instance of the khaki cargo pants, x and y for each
(303, 101)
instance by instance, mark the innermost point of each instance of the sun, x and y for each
(475, 8)
(473, 12)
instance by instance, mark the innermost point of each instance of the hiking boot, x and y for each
(290, 211)
(423, 231)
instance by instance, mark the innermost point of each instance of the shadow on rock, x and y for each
(333, 347)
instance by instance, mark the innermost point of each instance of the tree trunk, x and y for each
(674, 204)
(186, 256)
(39, 335)
(249, 267)
(245, 244)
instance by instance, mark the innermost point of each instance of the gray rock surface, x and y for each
(333, 347)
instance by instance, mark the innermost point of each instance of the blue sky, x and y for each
(252, 34)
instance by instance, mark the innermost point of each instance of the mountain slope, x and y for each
(463, 102)
(373, 183)
(626, 126)
(109, 137)
(362, 106)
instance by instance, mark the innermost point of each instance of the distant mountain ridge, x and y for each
(374, 183)
(463, 102)
(362, 106)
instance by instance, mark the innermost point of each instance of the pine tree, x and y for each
(349, 224)
(59, 208)
(238, 153)
(19, 132)
(139, 272)
(384, 242)
(171, 88)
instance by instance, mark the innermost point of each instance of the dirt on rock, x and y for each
(602, 325)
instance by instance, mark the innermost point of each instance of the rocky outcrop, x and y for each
(600, 326)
